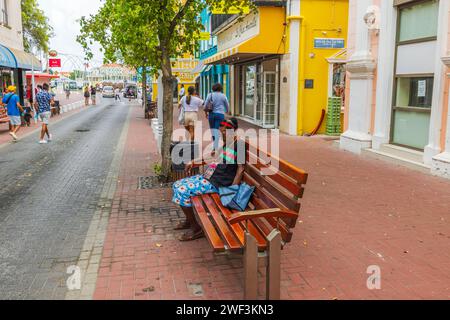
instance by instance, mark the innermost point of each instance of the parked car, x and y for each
(108, 92)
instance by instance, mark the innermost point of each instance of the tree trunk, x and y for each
(168, 81)
(144, 90)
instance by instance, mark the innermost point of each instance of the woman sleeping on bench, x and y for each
(225, 171)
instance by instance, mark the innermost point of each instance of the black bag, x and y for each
(210, 106)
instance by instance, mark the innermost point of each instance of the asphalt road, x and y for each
(48, 195)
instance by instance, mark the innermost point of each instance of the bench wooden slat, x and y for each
(287, 168)
(285, 233)
(281, 179)
(211, 234)
(222, 226)
(289, 202)
(238, 230)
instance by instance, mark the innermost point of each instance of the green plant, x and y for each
(157, 168)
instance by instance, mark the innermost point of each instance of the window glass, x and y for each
(419, 21)
(415, 92)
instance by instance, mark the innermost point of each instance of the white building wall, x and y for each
(12, 34)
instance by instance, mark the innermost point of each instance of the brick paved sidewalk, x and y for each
(356, 213)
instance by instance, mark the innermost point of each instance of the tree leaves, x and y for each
(36, 28)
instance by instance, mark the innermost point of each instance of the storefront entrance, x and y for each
(414, 74)
(258, 98)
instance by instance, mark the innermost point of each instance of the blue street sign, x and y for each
(329, 43)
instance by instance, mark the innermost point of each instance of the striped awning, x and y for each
(7, 58)
(25, 60)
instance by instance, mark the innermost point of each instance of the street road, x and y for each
(48, 195)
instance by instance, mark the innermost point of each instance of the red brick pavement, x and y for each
(356, 213)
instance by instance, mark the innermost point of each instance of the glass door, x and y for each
(250, 91)
(270, 99)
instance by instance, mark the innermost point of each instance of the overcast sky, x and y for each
(63, 17)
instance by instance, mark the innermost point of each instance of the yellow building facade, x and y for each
(285, 61)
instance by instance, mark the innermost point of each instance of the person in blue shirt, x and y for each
(220, 107)
(12, 102)
(44, 101)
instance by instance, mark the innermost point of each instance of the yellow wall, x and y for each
(319, 16)
(272, 30)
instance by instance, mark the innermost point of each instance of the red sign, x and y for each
(54, 63)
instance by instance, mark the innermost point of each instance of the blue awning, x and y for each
(26, 60)
(7, 58)
(18, 59)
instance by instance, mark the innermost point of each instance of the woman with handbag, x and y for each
(189, 106)
(216, 106)
(227, 171)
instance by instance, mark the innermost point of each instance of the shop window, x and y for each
(415, 92)
(419, 21)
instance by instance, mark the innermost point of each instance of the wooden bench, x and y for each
(265, 227)
(3, 115)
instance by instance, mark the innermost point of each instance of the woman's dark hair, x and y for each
(191, 91)
(217, 87)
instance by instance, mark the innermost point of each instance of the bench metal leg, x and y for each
(273, 291)
(250, 268)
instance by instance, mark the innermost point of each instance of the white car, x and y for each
(108, 92)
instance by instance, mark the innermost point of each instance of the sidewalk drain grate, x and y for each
(148, 183)
(82, 130)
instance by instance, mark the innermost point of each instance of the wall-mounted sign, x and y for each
(329, 43)
(54, 63)
(205, 36)
(220, 9)
(239, 32)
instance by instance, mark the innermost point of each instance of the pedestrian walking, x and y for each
(28, 113)
(182, 92)
(189, 107)
(216, 106)
(87, 95)
(117, 94)
(93, 95)
(67, 90)
(12, 102)
(44, 102)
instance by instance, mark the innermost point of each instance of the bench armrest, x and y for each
(267, 213)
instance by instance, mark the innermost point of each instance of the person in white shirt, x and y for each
(182, 92)
(191, 105)
(117, 93)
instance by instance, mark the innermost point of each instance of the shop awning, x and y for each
(262, 35)
(26, 60)
(7, 58)
(199, 68)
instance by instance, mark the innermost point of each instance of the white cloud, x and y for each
(63, 16)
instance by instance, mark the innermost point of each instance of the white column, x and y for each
(294, 48)
(441, 162)
(386, 61)
(159, 128)
(434, 146)
(361, 67)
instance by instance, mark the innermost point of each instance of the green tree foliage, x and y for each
(36, 27)
(148, 34)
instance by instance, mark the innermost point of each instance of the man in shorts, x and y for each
(12, 102)
(44, 101)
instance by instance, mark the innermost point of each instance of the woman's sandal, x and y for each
(192, 236)
(183, 226)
